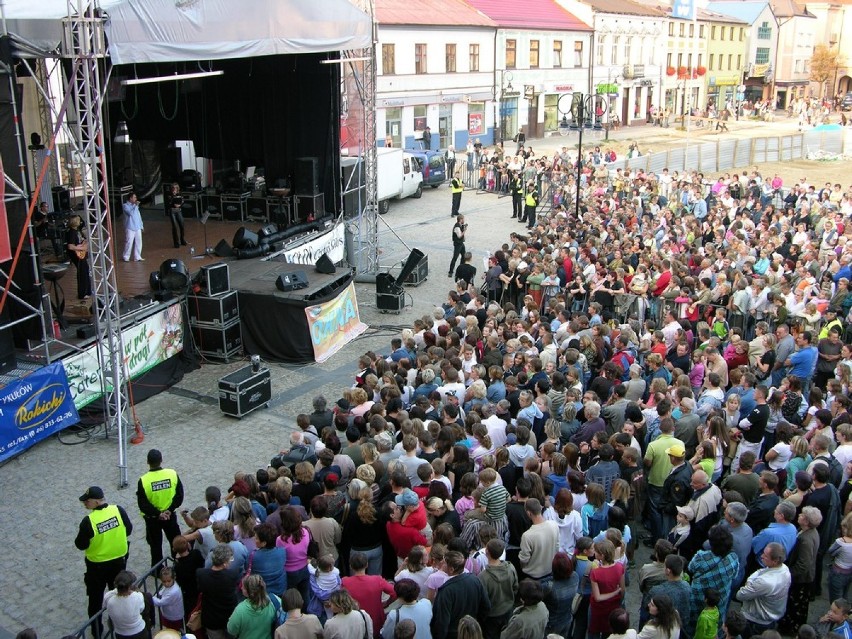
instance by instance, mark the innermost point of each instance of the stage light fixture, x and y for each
(171, 78)
(174, 275)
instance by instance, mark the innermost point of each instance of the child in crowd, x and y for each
(324, 580)
(707, 625)
(439, 467)
(493, 501)
(202, 535)
(424, 473)
(736, 623)
(439, 575)
(682, 527)
(478, 559)
(467, 485)
(170, 601)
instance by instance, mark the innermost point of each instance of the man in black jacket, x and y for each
(677, 489)
(462, 594)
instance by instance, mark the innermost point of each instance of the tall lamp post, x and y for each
(505, 86)
(582, 114)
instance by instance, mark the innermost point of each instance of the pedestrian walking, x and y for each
(456, 187)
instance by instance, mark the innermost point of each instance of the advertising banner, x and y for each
(334, 324)
(475, 124)
(33, 408)
(146, 344)
(331, 244)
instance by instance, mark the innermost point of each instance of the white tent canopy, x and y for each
(141, 31)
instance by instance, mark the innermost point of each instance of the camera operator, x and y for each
(459, 230)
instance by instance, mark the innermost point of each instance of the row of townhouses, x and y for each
(487, 69)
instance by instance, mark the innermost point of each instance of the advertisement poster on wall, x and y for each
(475, 124)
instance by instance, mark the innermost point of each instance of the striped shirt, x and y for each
(494, 499)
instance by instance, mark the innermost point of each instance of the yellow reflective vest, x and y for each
(110, 535)
(160, 487)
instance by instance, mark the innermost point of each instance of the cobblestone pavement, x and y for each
(41, 583)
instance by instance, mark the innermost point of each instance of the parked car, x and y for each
(846, 102)
(433, 166)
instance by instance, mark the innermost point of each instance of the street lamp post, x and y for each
(582, 112)
(505, 86)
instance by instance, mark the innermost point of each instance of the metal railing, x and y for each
(95, 624)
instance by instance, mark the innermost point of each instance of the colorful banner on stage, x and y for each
(33, 408)
(146, 344)
(334, 324)
(331, 244)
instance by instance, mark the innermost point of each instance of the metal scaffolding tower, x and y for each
(85, 42)
(358, 78)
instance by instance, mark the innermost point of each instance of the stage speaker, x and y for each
(245, 239)
(223, 249)
(307, 176)
(267, 230)
(190, 206)
(61, 199)
(325, 265)
(352, 186)
(287, 282)
(174, 275)
(215, 279)
(410, 264)
(385, 284)
(8, 361)
(170, 164)
(256, 209)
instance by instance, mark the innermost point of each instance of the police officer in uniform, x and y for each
(517, 188)
(159, 494)
(456, 186)
(459, 229)
(103, 536)
(531, 203)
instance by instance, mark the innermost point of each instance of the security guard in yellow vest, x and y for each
(531, 202)
(831, 321)
(457, 187)
(103, 536)
(159, 495)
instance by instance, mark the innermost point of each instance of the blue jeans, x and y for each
(838, 584)
(299, 579)
(374, 560)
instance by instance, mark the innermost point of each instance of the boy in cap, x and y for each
(682, 527)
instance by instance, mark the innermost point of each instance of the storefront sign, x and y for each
(393, 102)
(610, 89)
(759, 69)
(529, 91)
(331, 244)
(724, 80)
(146, 344)
(33, 408)
(646, 83)
(451, 98)
(638, 70)
(334, 324)
(475, 125)
(563, 88)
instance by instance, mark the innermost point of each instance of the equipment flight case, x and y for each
(244, 390)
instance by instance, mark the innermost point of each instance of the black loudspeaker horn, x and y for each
(245, 239)
(410, 264)
(325, 265)
(223, 249)
(287, 282)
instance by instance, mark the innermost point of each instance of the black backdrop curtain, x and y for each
(264, 111)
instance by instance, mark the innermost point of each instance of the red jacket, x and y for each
(403, 538)
(662, 283)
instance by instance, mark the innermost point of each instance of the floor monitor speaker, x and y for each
(287, 282)
(325, 265)
(223, 249)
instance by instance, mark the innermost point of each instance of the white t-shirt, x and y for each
(125, 612)
(784, 455)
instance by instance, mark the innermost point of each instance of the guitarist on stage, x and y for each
(78, 249)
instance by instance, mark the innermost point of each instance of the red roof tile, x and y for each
(450, 13)
(529, 14)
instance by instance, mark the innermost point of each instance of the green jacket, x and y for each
(501, 584)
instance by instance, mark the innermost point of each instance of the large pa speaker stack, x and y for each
(390, 294)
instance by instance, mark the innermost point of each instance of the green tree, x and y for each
(824, 65)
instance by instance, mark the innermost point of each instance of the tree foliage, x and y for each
(825, 62)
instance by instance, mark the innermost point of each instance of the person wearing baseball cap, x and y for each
(103, 537)
(677, 489)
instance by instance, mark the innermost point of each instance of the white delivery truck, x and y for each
(398, 176)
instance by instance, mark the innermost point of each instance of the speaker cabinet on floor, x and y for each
(307, 176)
(215, 279)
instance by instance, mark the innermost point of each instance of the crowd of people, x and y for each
(664, 365)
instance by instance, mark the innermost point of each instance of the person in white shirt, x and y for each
(764, 594)
(843, 452)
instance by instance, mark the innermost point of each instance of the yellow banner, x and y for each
(334, 324)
